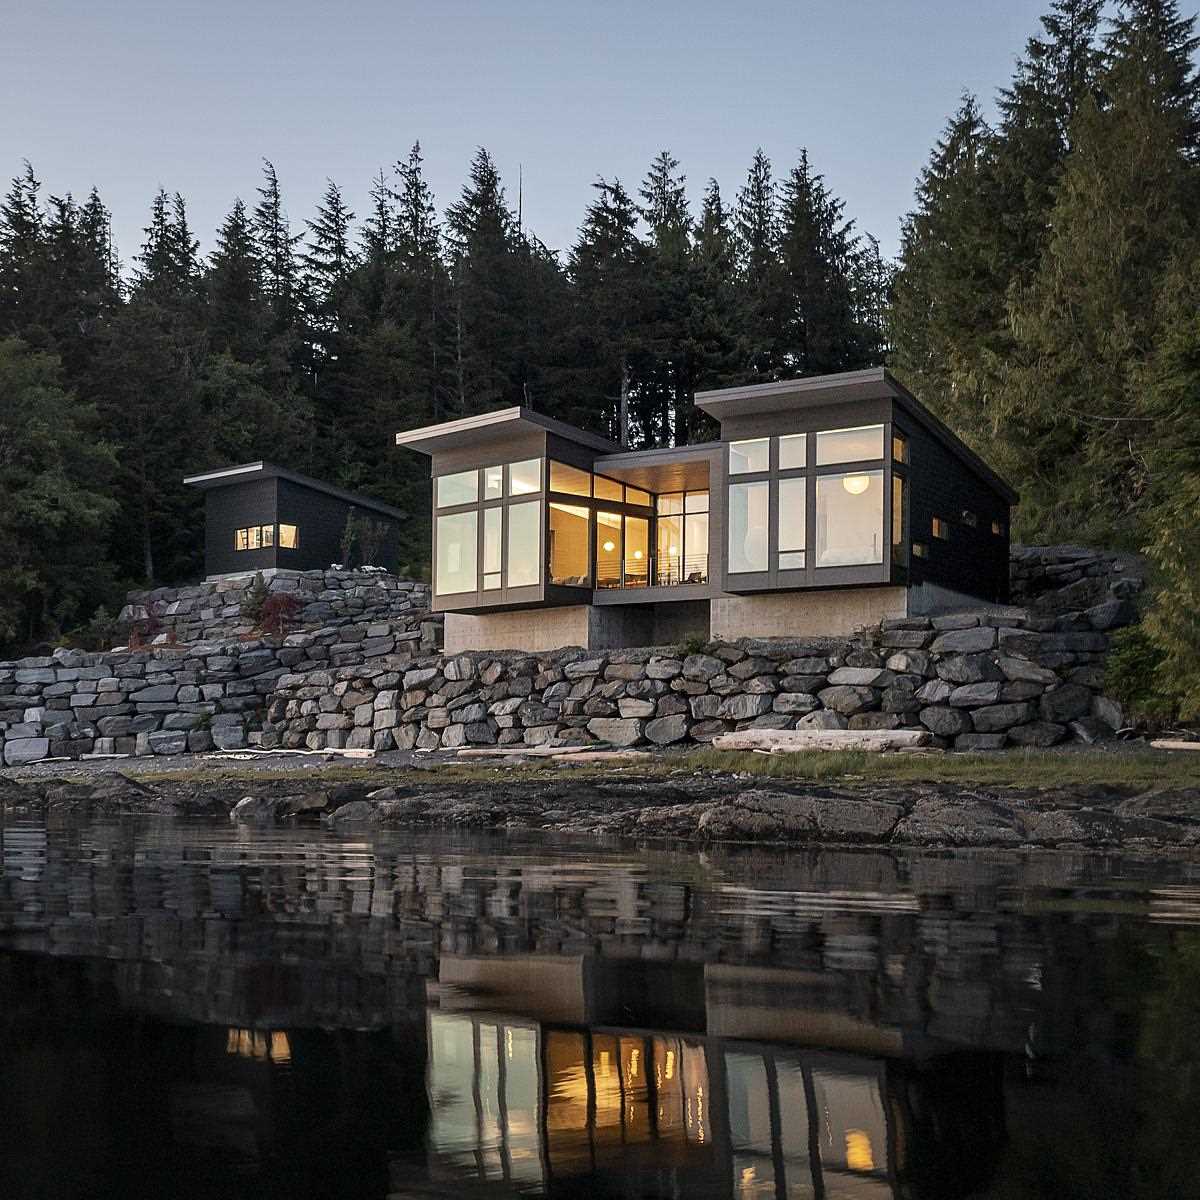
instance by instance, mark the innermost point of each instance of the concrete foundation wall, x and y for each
(834, 613)
(594, 627)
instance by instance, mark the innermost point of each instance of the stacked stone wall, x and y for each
(212, 610)
(1052, 580)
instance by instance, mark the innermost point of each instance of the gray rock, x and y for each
(458, 670)
(875, 720)
(744, 707)
(945, 721)
(24, 750)
(167, 741)
(968, 668)
(663, 668)
(356, 812)
(979, 741)
(161, 693)
(183, 720)
(1065, 703)
(1111, 614)
(995, 718)
(823, 718)
(954, 822)
(910, 662)
(936, 691)
(704, 707)
(227, 737)
(847, 700)
(1036, 733)
(630, 707)
(796, 703)
(664, 731)
(786, 817)
(584, 667)
(616, 730)
(975, 695)
(255, 810)
(965, 641)
(702, 666)
(860, 677)
(1020, 669)
(1090, 730)
(1108, 712)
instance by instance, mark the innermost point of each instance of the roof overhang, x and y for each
(677, 469)
(504, 423)
(846, 387)
(244, 472)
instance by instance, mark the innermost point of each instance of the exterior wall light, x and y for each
(856, 484)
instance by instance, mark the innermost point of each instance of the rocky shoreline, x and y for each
(699, 807)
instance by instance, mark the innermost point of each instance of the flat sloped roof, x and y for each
(846, 387)
(244, 472)
(470, 431)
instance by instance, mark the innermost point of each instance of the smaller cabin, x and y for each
(261, 517)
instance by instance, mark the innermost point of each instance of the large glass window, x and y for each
(899, 520)
(523, 561)
(493, 482)
(849, 445)
(791, 523)
(753, 455)
(457, 537)
(637, 552)
(850, 519)
(460, 488)
(525, 477)
(793, 451)
(748, 517)
(682, 538)
(609, 550)
(256, 537)
(571, 480)
(493, 520)
(637, 496)
(607, 489)
(569, 546)
(289, 537)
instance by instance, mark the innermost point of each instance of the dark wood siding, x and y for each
(228, 509)
(973, 560)
(321, 520)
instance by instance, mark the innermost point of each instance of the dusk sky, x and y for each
(191, 96)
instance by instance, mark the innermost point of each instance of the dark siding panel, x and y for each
(974, 560)
(321, 520)
(229, 509)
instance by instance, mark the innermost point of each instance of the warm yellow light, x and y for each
(856, 484)
(637, 554)
(608, 547)
(859, 1156)
(674, 551)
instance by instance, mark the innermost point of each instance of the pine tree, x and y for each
(238, 318)
(756, 223)
(714, 307)
(818, 250)
(276, 250)
(378, 238)
(21, 249)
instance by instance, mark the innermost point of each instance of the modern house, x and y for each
(827, 504)
(260, 517)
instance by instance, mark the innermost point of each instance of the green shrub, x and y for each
(256, 599)
(1136, 674)
(695, 643)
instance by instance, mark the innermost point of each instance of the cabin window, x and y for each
(493, 519)
(791, 523)
(457, 553)
(289, 537)
(569, 546)
(997, 528)
(860, 444)
(570, 480)
(607, 489)
(637, 496)
(749, 507)
(682, 537)
(753, 455)
(525, 477)
(793, 451)
(254, 537)
(899, 448)
(850, 519)
(523, 557)
(899, 519)
(493, 482)
(637, 552)
(941, 529)
(609, 549)
(459, 488)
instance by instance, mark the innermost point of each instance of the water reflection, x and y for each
(297, 1014)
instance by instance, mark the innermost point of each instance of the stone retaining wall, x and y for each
(172, 700)
(207, 611)
(1052, 580)
(975, 681)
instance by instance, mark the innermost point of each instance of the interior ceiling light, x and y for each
(856, 484)
(608, 547)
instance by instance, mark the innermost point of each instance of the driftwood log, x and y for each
(795, 741)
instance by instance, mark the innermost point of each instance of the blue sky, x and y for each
(191, 96)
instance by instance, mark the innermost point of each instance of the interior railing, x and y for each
(674, 572)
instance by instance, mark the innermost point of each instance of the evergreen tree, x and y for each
(276, 250)
(238, 318)
(714, 304)
(757, 230)
(21, 251)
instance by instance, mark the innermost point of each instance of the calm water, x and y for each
(188, 1010)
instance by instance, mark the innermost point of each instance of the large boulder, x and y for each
(847, 700)
(618, 731)
(1066, 702)
(665, 731)
(25, 750)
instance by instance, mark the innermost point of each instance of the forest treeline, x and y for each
(1046, 303)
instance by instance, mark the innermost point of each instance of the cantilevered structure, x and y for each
(827, 503)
